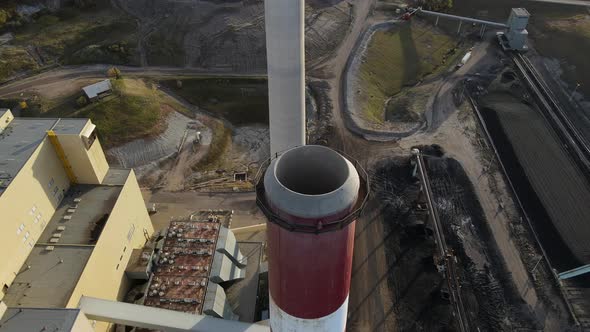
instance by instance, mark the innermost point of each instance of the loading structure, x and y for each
(312, 197)
(515, 35)
(445, 260)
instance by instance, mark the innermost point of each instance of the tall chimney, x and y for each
(285, 49)
(311, 196)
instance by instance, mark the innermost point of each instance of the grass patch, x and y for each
(14, 60)
(239, 100)
(101, 36)
(133, 110)
(396, 58)
(220, 141)
(124, 116)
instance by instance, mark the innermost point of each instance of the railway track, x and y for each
(446, 261)
(574, 141)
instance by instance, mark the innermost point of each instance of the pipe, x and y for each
(159, 319)
(466, 19)
(285, 44)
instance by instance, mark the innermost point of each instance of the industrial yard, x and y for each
(476, 148)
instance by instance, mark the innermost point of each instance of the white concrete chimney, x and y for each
(285, 51)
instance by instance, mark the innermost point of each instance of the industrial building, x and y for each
(123, 314)
(38, 319)
(198, 253)
(70, 223)
(98, 90)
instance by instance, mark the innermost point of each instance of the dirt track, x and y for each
(65, 74)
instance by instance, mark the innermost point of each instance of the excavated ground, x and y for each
(226, 35)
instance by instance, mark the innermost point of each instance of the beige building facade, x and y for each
(69, 222)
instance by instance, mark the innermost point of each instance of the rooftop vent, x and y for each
(49, 248)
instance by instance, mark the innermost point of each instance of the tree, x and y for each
(81, 101)
(4, 17)
(114, 72)
(23, 105)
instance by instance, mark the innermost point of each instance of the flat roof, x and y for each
(56, 262)
(23, 136)
(116, 176)
(185, 262)
(51, 278)
(521, 12)
(70, 126)
(82, 209)
(242, 294)
(37, 319)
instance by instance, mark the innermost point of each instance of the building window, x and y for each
(131, 231)
(51, 182)
(20, 229)
(117, 266)
(125, 249)
(55, 191)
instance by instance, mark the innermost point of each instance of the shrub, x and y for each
(114, 72)
(81, 101)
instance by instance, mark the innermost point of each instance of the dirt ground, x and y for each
(225, 35)
(456, 132)
(395, 286)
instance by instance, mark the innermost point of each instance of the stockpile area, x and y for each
(394, 260)
(225, 35)
(559, 187)
(418, 292)
(488, 292)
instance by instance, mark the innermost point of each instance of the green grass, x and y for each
(14, 60)
(220, 141)
(101, 36)
(239, 100)
(133, 110)
(396, 58)
(123, 117)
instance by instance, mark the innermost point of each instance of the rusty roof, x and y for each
(180, 279)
